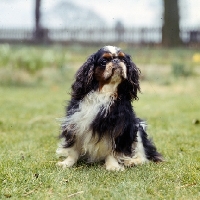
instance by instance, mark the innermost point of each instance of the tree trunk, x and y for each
(38, 28)
(170, 29)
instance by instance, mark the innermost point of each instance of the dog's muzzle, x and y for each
(115, 61)
(118, 68)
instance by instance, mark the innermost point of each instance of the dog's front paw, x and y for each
(112, 164)
(115, 167)
(69, 162)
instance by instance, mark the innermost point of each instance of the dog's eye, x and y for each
(122, 59)
(103, 62)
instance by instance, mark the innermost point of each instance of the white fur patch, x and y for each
(124, 71)
(88, 109)
(80, 122)
(110, 88)
(143, 124)
(112, 49)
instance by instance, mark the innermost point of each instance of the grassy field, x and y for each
(28, 131)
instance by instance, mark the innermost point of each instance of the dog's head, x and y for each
(107, 70)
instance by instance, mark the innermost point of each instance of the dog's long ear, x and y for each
(84, 81)
(131, 85)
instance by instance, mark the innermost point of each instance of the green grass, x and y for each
(28, 141)
(29, 130)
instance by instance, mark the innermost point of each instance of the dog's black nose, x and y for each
(115, 61)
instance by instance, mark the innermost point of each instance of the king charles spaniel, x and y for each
(100, 123)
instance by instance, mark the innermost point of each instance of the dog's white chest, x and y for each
(81, 121)
(90, 106)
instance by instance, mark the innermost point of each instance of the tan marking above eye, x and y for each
(121, 55)
(107, 55)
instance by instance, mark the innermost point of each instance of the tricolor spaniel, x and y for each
(100, 123)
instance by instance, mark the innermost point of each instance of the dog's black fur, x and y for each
(120, 123)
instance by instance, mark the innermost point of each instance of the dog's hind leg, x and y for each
(149, 147)
(140, 156)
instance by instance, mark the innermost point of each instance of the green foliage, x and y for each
(180, 69)
(31, 59)
(30, 65)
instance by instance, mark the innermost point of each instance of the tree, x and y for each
(170, 29)
(38, 28)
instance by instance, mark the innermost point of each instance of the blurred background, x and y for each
(151, 22)
(45, 40)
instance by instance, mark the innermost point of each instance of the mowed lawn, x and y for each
(29, 132)
(28, 140)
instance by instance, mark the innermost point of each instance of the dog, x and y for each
(100, 123)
